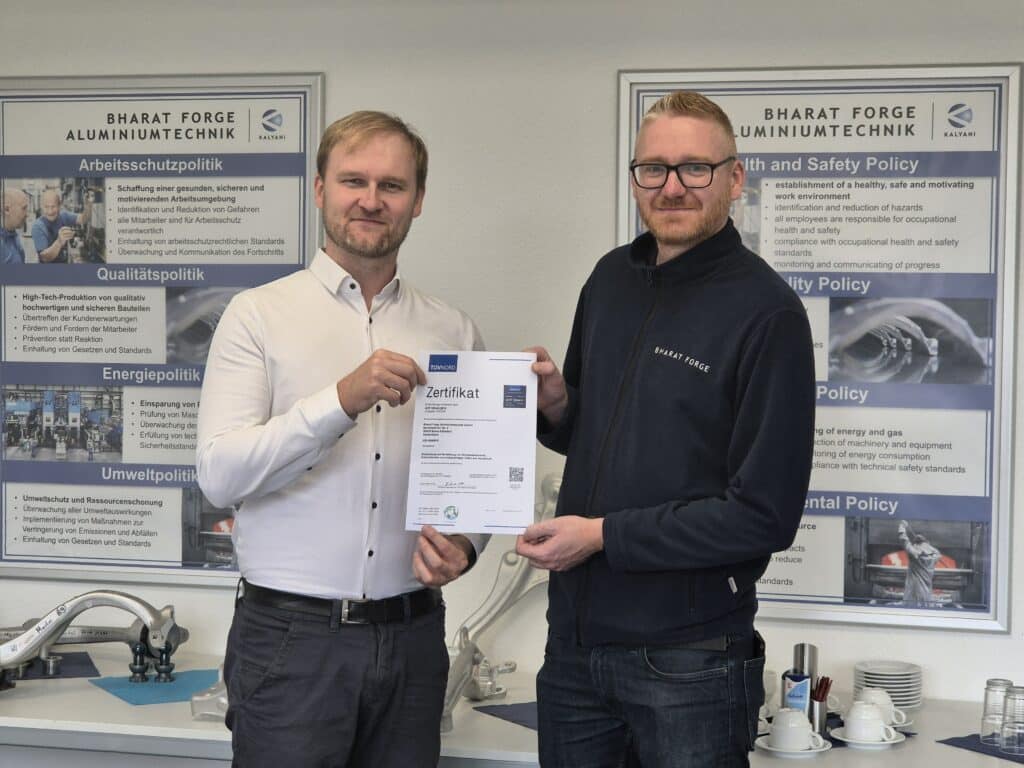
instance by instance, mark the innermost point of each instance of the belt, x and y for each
(411, 605)
(720, 643)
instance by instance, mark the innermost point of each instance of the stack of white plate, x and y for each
(900, 679)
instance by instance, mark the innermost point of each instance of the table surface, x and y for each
(75, 714)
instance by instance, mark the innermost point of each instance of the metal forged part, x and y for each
(876, 316)
(156, 629)
(192, 318)
(523, 579)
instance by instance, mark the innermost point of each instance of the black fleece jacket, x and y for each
(690, 430)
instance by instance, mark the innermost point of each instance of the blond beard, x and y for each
(386, 246)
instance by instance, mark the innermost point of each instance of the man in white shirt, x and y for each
(336, 655)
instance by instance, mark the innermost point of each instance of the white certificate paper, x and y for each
(474, 443)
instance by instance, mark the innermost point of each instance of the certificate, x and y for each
(474, 443)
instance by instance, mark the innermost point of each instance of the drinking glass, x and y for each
(992, 713)
(1011, 735)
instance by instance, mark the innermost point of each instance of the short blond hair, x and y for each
(691, 104)
(355, 129)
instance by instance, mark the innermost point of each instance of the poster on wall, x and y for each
(887, 199)
(134, 209)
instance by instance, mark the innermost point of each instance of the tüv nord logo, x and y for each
(960, 116)
(443, 364)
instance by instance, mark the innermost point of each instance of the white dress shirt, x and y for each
(320, 498)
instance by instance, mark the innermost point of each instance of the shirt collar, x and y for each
(339, 282)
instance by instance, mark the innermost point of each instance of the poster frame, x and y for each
(311, 87)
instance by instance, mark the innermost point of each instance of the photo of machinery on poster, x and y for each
(887, 199)
(135, 209)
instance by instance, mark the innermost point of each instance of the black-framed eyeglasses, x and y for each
(690, 175)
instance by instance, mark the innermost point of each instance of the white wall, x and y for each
(517, 102)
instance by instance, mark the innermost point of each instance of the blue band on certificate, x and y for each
(443, 364)
(515, 396)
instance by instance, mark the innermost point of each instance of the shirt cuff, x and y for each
(479, 541)
(325, 415)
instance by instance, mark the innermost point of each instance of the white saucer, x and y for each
(837, 733)
(903, 725)
(762, 742)
(887, 667)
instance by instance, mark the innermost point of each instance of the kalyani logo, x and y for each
(960, 116)
(451, 513)
(272, 121)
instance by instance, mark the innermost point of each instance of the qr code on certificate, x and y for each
(515, 474)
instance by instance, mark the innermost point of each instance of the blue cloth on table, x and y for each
(72, 664)
(521, 714)
(974, 744)
(182, 688)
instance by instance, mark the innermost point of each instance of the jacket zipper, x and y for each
(627, 378)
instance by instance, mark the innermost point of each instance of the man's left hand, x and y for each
(439, 559)
(561, 543)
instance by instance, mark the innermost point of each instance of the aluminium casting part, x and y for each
(156, 635)
(853, 322)
(471, 674)
(192, 317)
(903, 367)
(83, 635)
(212, 703)
(912, 332)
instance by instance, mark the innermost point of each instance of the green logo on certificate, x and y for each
(451, 513)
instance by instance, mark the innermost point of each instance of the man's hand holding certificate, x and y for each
(474, 443)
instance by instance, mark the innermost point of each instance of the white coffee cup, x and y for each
(880, 698)
(864, 721)
(791, 731)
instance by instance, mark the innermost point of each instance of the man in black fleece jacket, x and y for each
(686, 412)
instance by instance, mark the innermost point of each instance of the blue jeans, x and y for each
(653, 706)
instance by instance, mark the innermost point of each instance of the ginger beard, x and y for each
(685, 220)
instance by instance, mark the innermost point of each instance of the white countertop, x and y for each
(74, 714)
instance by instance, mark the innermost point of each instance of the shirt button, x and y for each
(378, 409)
(309, 469)
(370, 553)
(374, 505)
(352, 286)
(375, 456)
(341, 435)
(371, 320)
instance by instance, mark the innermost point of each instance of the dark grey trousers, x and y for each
(303, 694)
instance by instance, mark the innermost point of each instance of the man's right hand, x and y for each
(384, 375)
(64, 234)
(552, 396)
